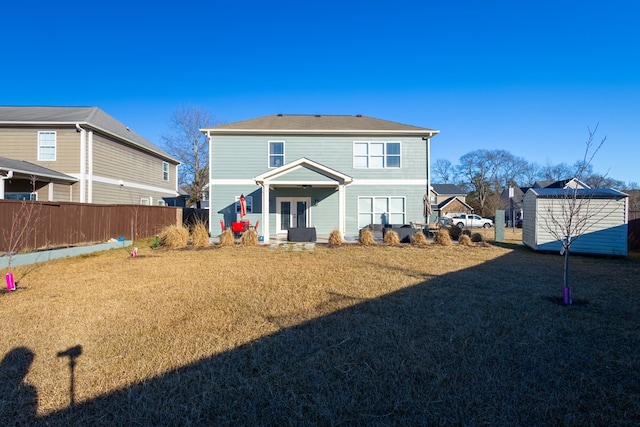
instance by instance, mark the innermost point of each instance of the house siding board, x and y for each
(22, 144)
(240, 156)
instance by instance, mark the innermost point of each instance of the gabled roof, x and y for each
(559, 184)
(451, 199)
(25, 169)
(442, 189)
(91, 117)
(314, 124)
(304, 163)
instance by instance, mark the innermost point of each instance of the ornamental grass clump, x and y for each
(465, 240)
(366, 237)
(226, 238)
(442, 237)
(199, 234)
(391, 238)
(174, 236)
(250, 238)
(419, 239)
(335, 238)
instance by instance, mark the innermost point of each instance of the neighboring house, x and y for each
(603, 211)
(324, 171)
(448, 198)
(513, 197)
(80, 154)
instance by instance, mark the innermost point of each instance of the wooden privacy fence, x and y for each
(634, 230)
(28, 225)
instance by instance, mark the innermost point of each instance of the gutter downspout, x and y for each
(3, 178)
(83, 162)
(428, 141)
(90, 171)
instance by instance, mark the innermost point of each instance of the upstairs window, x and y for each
(165, 171)
(248, 200)
(46, 146)
(276, 154)
(376, 155)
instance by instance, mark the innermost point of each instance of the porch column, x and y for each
(265, 211)
(341, 209)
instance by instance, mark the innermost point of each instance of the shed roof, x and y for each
(92, 117)
(581, 193)
(292, 123)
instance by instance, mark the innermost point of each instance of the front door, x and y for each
(291, 213)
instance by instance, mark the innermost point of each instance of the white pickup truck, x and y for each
(471, 220)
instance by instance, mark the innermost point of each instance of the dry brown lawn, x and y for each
(356, 335)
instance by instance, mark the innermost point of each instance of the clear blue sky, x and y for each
(527, 77)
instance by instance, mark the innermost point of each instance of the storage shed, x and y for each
(604, 212)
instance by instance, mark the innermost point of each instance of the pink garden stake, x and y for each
(11, 284)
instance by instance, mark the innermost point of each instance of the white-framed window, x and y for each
(161, 202)
(376, 154)
(248, 200)
(165, 171)
(276, 154)
(381, 210)
(46, 146)
(145, 201)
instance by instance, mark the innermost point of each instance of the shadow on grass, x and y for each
(476, 346)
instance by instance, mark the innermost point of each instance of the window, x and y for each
(276, 154)
(165, 171)
(161, 202)
(145, 201)
(381, 210)
(376, 155)
(248, 200)
(21, 196)
(46, 146)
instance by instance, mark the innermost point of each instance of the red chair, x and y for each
(221, 225)
(255, 227)
(238, 228)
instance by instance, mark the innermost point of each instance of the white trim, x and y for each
(384, 155)
(90, 167)
(304, 162)
(372, 132)
(293, 201)
(269, 154)
(386, 182)
(83, 165)
(119, 183)
(55, 145)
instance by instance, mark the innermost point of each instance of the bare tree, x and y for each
(191, 147)
(574, 212)
(443, 171)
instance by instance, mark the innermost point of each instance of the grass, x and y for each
(355, 335)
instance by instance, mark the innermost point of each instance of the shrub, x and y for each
(366, 237)
(335, 238)
(200, 234)
(391, 238)
(419, 239)
(250, 238)
(454, 232)
(442, 237)
(477, 238)
(174, 236)
(226, 238)
(466, 232)
(465, 240)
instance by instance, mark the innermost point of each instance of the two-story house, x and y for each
(324, 171)
(80, 154)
